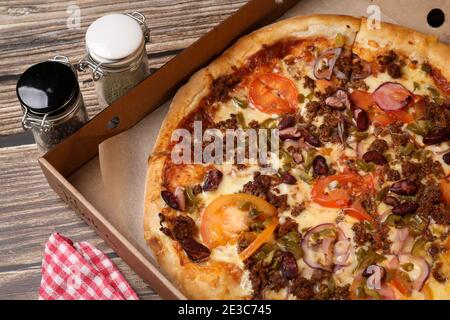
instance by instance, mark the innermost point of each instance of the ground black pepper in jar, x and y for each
(51, 101)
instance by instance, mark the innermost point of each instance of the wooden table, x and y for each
(30, 33)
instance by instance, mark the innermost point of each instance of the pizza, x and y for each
(356, 202)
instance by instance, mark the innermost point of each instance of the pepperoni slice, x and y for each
(392, 96)
(273, 94)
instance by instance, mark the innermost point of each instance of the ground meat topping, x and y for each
(314, 289)
(222, 85)
(417, 171)
(368, 202)
(437, 273)
(230, 123)
(163, 228)
(261, 186)
(392, 174)
(410, 170)
(262, 276)
(303, 288)
(298, 209)
(394, 70)
(376, 234)
(286, 227)
(309, 83)
(389, 62)
(430, 205)
(183, 227)
(438, 115)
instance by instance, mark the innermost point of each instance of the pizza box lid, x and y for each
(77, 151)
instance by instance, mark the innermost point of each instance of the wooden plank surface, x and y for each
(33, 31)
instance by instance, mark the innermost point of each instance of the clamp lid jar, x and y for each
(115, 52)
(51, 102)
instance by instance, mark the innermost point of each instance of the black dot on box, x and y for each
(436, 18)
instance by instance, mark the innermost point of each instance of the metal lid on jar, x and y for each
(47, 88)
(114, 39)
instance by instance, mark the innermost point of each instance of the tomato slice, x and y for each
(445, 190)
(427, 292)
(401, 284)
(401, 115)
(223, 220)
(440, 81)
(339, 197)
(362, 99)
(388, 117)
(323, 84)
(262, 238)
(273, 94)
(357, 211)
(418, 108)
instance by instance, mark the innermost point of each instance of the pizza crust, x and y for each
(213, 280)
(370, 43)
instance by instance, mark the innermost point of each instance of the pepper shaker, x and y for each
(51, 102)
(116, 55)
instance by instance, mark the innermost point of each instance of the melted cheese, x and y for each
(409, 77)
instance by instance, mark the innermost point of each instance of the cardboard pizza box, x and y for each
(79, 153)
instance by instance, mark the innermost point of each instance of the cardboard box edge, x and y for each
(109, 233)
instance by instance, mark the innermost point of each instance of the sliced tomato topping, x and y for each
(365, 100)
(263, 237)
(323, 84)
(357, 211)
(224, 219)
(392, 96)
(418, 108)
(400, 115)
(445, 190)
(440, 81)
(427, 292)
(273, 94)
(362, 99)
(401, 284)
(356, 289)
(334, 191)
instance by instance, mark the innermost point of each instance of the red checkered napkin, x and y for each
(79, 271)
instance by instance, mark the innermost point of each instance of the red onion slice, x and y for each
(341, 252)
(181, 199)
(323, 256)
(339, 74)
(400, 237)
(393, 262)
(324, 64)
(421, 271)
(392, 96)
(289, 133)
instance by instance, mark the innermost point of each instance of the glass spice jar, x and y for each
(116, 55)
(51, 101)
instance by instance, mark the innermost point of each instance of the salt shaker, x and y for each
(51, 102)
(116, 55)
